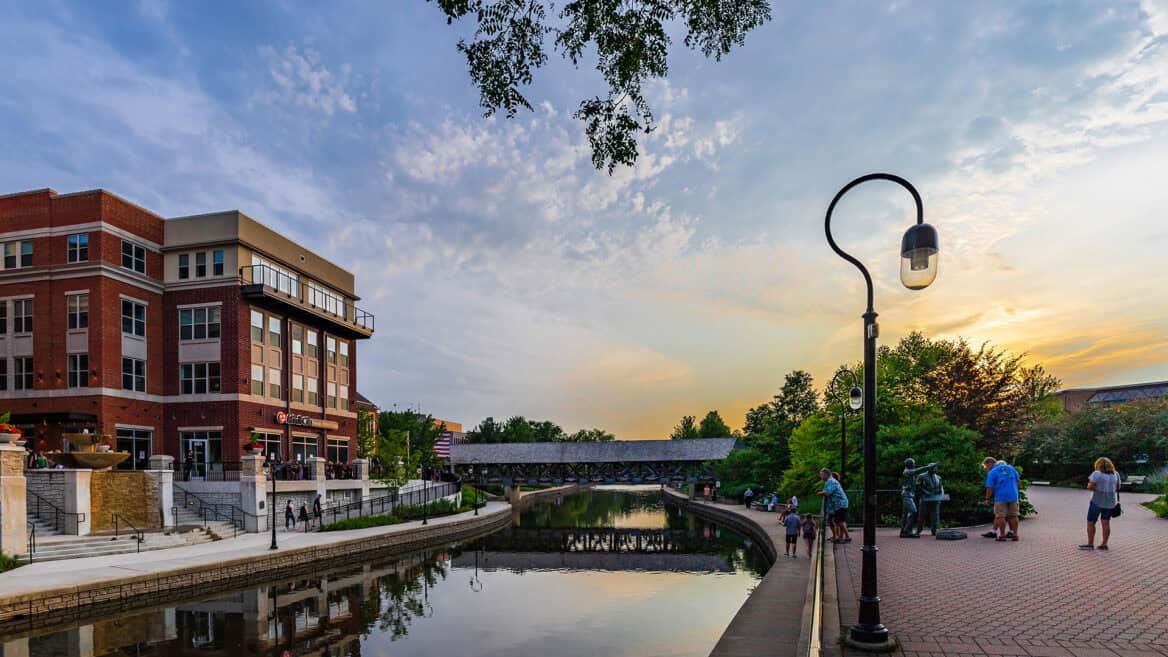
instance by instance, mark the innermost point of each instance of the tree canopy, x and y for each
(687, 429)
(630, 39)
(518, 429)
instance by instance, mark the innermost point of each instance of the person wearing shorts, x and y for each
(791, 523)
(835, 503)
(1104, 487)
(1001, 487)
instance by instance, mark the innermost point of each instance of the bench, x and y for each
(1133, 480)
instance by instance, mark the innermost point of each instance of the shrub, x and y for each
(364, 522)
(8, 563)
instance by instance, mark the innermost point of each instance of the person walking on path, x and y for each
(289, 516)
(304, 515)
(835, 503)
(1104, 487)
(748, 496)
(188, 466)
(809, 531)
(791, 523)
(1002, 490)
(317, 511)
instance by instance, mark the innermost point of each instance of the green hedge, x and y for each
(8, 563)
(364, 522)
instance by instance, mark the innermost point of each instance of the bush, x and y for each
(364, 522)
(8, 563)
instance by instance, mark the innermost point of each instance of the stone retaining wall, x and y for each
(735, 521)
(49, 484)
(129, 494)
(58, 606)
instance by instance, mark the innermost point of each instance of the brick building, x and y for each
(173, 335)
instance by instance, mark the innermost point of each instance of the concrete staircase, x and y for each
(214, 529)
(53, 548)
(42, 528)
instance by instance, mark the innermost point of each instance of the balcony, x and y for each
(265, 283)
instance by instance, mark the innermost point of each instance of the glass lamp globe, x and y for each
(918, 257)
(856, 398)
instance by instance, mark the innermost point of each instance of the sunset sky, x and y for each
(509, 277)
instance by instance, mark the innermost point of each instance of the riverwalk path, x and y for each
(55, 586)
(769, 624)
(1038, 597)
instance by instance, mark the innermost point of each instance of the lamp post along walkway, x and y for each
(918, 269)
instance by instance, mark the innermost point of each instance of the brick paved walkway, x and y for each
(1039, 597)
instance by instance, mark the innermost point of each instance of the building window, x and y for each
(332, 394)
(274, 331)
(297, 339)
(298, 388)
(17, 254)
(26, 254)
(274, 383)
(331, 350)
(344, 353)
(134, 256)
(338, 450)
(270, 443)
(3, 317)
(343, 397)
(78, 308)
(257, 327)
(133, 374)
(22, 373)
(10, 250)
(311, 348)
(3, 373)
(137, 443)
(198, 378)
(311, 390)
(303, 447)
(275, 277)
(217, 262)
(257, 380)
(22, 316)
(78, 370)
(133, 318)
(198, 323)
(200, 264)
(184, 265)
(78, 247)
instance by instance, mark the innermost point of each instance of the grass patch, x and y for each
(1159, 506)
(8, 563)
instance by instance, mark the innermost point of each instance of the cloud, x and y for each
(301, 78)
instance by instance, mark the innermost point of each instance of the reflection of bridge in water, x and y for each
(598, 548)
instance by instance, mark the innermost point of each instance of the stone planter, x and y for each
(88, 460)
(103, 449)
(6, 438)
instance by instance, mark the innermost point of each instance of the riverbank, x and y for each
(47, 593)
(770, 623)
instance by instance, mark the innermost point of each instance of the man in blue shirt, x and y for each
(1002, 490)
(835, 503)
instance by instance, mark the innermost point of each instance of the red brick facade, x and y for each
(54, 404)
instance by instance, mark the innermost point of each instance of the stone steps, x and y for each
(96, 546)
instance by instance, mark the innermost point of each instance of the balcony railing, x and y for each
(290, 287)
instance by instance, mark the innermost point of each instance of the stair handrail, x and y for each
(59, 516)
(31, 540)
(139, 535)
(235, 515)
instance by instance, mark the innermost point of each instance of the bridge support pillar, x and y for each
(512, 494)
(691, 489)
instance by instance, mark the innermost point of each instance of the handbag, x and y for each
(1117, 510)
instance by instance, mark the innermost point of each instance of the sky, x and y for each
(509, 277)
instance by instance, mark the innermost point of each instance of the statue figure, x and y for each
(908, 504)
(932, 493)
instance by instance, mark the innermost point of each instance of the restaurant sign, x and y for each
(305, 421)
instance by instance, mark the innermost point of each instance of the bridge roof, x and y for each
(617, 451)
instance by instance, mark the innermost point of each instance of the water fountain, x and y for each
(99, 456)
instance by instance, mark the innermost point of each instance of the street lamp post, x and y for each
(476, 488)
(272, 502)
(425, 495)
(918, 269)
(855, 401)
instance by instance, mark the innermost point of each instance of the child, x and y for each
(809, 531)
(791, 522)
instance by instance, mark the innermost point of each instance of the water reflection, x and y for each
(573, 579)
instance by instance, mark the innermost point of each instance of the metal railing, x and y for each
(887, 506)
(63, 522)
(815, 638)
(213, 511)
(293, 471)
(350, 471)
(376, 506)
(290, 286)
(139, 535)
(31, 544)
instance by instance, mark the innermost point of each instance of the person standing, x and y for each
(835, 503)
(1104, 487)
(809, 531)
(1001, 487)
(748, 496)
(791, 523)
(289, 516)
(188, 466)
(317, 510)
(304, 514)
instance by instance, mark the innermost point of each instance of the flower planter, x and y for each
(6, 438)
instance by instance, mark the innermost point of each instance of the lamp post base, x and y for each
(871, 638)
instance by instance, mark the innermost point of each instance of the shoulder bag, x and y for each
(1117, 510)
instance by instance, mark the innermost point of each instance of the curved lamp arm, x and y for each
(831, 386)
(827, 220)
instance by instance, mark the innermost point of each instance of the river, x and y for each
(607, 571)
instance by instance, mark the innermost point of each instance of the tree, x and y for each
(712, 426)
(547, 431)
(631, 41)
(1064, 447)
(590, 436)
(487, 431)
(687, 429)
(366, 434)
(517, 430)
(407, 431)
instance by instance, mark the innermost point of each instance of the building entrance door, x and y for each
(198, 447)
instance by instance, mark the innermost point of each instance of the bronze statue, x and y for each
(932, 493)
(908, 504)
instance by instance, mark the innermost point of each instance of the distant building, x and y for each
(1076, 399)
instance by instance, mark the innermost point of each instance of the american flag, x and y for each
(442, 446)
